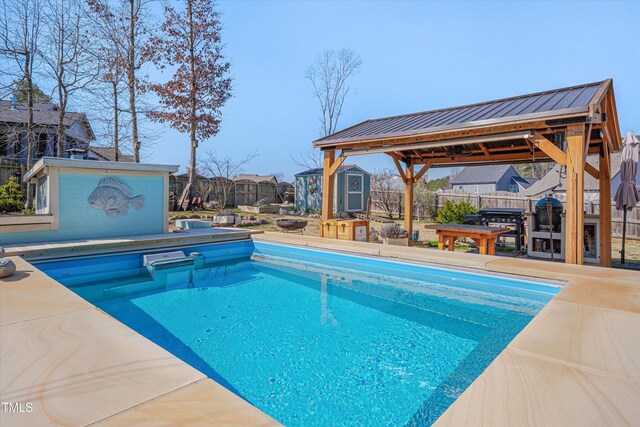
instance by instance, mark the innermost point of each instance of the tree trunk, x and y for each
(131, 64)
(61, 96)
(193, 119)
(116, 135)
(30, 134)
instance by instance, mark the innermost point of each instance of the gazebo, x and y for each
(561, 125)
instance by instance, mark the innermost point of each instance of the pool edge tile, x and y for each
(599, 339)
(30, 294)
(80, 367)
(526, 390)
(199, 403)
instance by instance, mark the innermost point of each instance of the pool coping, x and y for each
(582, 342)
(41, 251)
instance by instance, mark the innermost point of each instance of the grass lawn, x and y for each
(428, 238)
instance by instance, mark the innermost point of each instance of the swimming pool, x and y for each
(313, 337)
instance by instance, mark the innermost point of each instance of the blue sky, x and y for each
(416, 56)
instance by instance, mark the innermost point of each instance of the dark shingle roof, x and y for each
(255, 178)
(551, 103)
(318, 171)
(480, 174)
(107, 153)
(554, 180)
(44, 114)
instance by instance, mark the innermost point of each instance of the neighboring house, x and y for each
(13, 131)
(352, 189)
(488, 179)
(554, 180)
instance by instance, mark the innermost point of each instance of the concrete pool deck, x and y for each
(576, 363)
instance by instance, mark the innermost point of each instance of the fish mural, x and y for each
(114, 197)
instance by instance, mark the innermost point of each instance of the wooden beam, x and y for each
(549, 148)
(484, 149)
(394, 156)
(574, 219)
(599, 96)
(441, 135)
(587, 141)
(408, 201)
(339, 161)
(605, 207)
(607, 138)
(524, 155)
(612, 119)
(424, 169)
(327, 185)
(519, 157)
(591, 170)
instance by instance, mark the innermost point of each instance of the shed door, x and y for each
(355, 192)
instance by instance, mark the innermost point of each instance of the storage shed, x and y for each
(353, 187)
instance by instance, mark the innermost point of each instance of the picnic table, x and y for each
(484, 236)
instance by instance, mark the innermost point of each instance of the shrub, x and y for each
(11, 197)
(453, 213)
(393, 231)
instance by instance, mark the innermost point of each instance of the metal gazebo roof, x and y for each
(575, 101)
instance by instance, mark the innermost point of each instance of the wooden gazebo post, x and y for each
(327, 184)
(408, 200)
(576, 158)
(604, 178)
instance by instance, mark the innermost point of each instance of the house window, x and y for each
(476, 189)
(513, 188)
(4, 145)
(41, 145)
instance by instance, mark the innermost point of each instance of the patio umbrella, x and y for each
(627, 194)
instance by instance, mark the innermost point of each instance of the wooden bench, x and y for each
(485, 237)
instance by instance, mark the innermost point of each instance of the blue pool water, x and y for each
(315, 338)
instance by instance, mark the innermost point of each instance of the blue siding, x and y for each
(309, 193)
(78, 220)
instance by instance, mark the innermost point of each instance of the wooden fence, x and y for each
(509, 200)
(8, 169)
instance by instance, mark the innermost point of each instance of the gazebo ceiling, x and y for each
(506, 130)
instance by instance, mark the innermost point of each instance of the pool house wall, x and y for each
(63, 212)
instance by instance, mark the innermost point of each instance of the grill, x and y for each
(511, 217)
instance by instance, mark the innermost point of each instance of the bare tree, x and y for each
(221, 171)
(110, 92)
(424, 199)
(20, 26)
(129, 20)
(308, 159)
(329, 76)
(386, 194)
(192, 99)
(534, 170)
(204, 186)
(66, 52)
